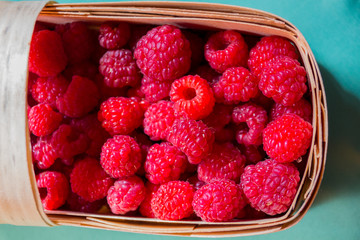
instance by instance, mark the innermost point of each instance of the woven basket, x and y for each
(20, 203)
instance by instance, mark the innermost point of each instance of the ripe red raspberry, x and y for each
(76, 203)
(126, 195)
(120, 156)
(114, 35)
(144, 143)
(197, 47)
(218, 201)
(53, 189)
(251, 213)
(252, 153)
(263, 101)
(153, 90)
(236, 85)
(287, 138)
(168, 48)
(192, 97)
(107, 92)
(89, 180)
(302, 108)
(255, 117)
(47, 56)
(195, 182)
(192, 137)
(172, 201)
(270, 186)
(268, 48)
(224, 162)
(226, 49)
(207, 73)
(284, 80)
(85, 69)
(145, 207)
(43, 120)
(164, 163)
(120, 115)
(137, 32)
(43, 152)
(119, 69)
(219, 117)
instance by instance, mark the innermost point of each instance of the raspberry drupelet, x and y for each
(114, 35)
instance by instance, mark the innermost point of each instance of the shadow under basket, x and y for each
(20, 203)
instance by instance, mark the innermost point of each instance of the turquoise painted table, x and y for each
(332, 29)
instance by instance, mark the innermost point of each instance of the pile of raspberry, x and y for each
(166, 123)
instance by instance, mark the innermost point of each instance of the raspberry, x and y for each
(192, 137)
(126, 195)
(218, 201)
(192, 97)
(114, 35)
(43, 152)
(47, 56)
(284, 80)
(53, 189)
(219, 117)
(144, 144)
(195, 182)
(270, 186)
(164, 163)
(263, 101)
(163, 53)
(226, 49)
(153, 90)
(172, 201)
(84, 69)
(135, 92)
(302, 108)
(255, 117)
(120, 156)
(158, 120)
(196, 46)
(77, 203)
(39, 26)
(136, 34)
(268, 48)
(145, 207)
(236, 85)
(287, 138)
(89, 180)
(120, 115)
(80, 98)
(251, 213)
(224, 162)
(107, 92)
(119, 68)
(43, 120)
(207, 73)
(253, 154)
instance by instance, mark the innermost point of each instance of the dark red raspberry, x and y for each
(119, 68)
(268, 48)
(224, 162)
(107, 92)
(89, 180)
(263, 101)
(145, 207)
(236, 85)
(43, 152)
(256, 119)
(85, 69)
(287, 138)
(120, 156)
(43, 120)
(137, 32)
(120, 115)
(81, 96)
(207, 73)
(219, 117)
(47, 56)
(126, 195)
(192, 137)
(270, 186)
(284, 80)
(39, 26)
(252, 153)
(135, 92)
(114, 35)
(172, 201)
(144, 143)
(226, 49)
(60, 165)
(53, 189)
(302, 108)
(197, 47)
(195, 182)
(192, 97)
(164, 163)
(77, 203)
(251, 213)
(218, 201)
(168, 48)
(153, 90)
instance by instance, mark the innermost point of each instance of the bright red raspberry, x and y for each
(153, 90)
(126, 195)
(120, 156)
(226, 49)
(268, 48)
(89, 180)
(284, 80)
(236, 85)
(256, 119)
(77, 203)
(270, 186)
(114, 35)
(43, 152)
(43, 120)
(164, 163)
(47, 56)
(252, 153)
(120, 115)
(219, 201)
(145, 207)
(192, 97)
(85, 69)
(302, 108)
(53, 189)
(207, 73)
(119, 68)
(172, 201)
(287, 138)
(197, 47)
(168, 48)
(192, 137)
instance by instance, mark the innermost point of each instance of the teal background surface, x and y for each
(332, 29)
